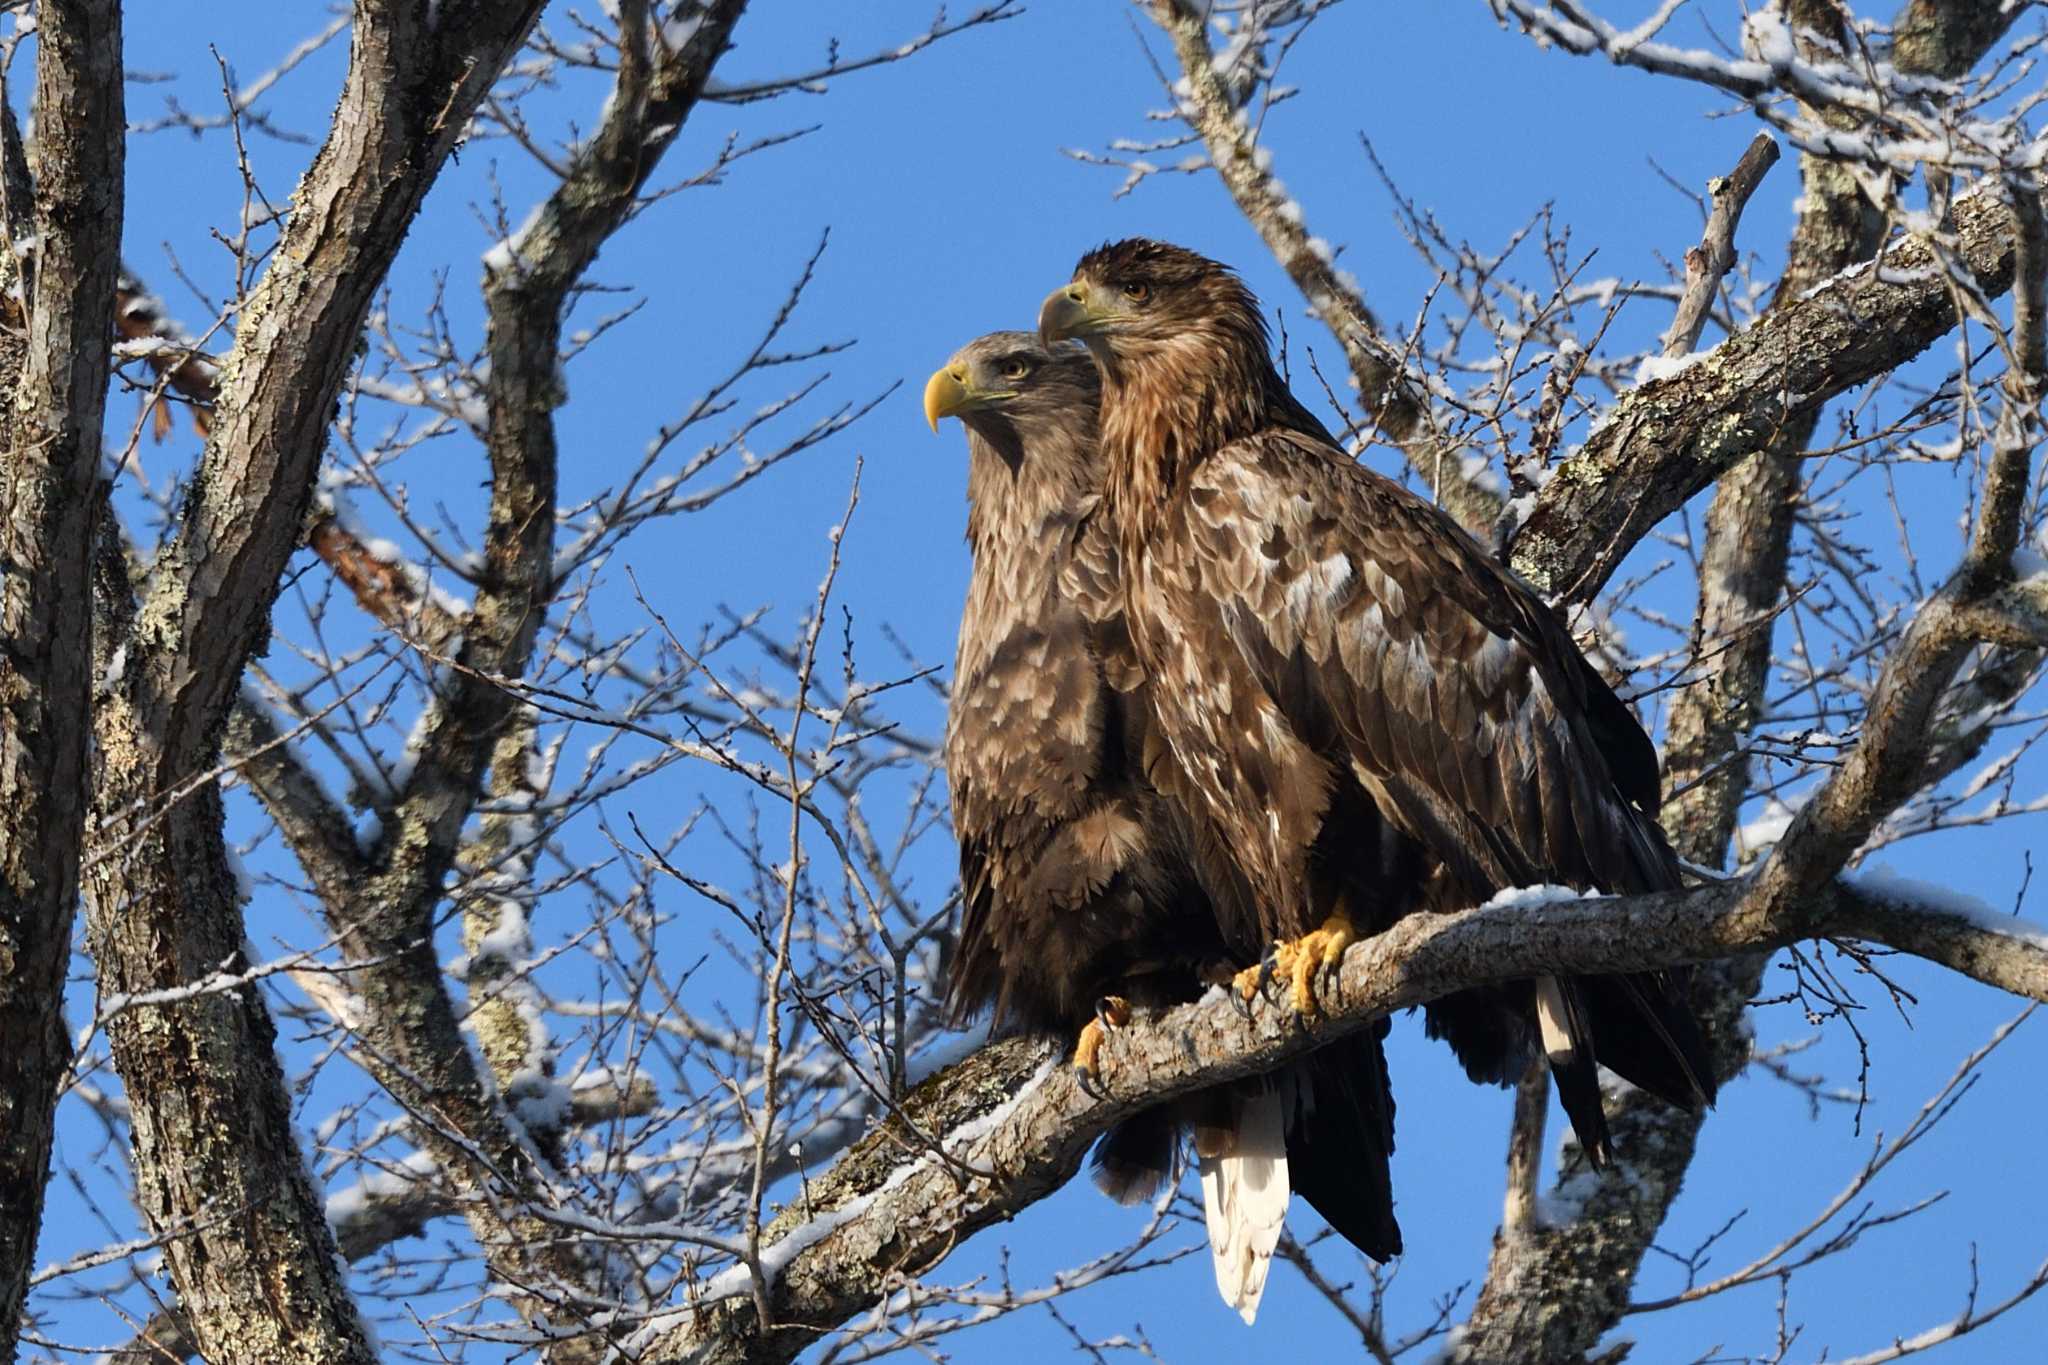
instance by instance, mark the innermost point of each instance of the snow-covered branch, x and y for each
(1674, 436)
(1016, 1123)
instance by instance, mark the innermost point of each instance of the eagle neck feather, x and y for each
(1015, 498)
(1021, 516)
(1172, 405)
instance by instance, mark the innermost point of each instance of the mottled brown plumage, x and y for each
(1071, 873)
(1377, 715)
(1081, 877)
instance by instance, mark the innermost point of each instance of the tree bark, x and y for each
(246, 1239)
(218, 1167)
(49, 463)
(1018, 1122)
(1670, 438)
(384, 919)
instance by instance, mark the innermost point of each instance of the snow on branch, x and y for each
(1905, 121)
(1018, 1128)
(1673, 436)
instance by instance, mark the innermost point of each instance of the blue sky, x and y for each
(952, 211)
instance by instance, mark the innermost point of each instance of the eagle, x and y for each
(1087, 888)
(1376, 716)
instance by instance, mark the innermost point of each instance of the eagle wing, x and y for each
(1458, 699)
(1388, 641)
(1091, 577)
(1079, 879)
(1025, 758)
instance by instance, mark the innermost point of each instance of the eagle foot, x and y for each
(1112, 1012)
(1300, 961)
(1249, 984)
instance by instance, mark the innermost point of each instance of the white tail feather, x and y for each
(1244, 1193)
(1551, 1018)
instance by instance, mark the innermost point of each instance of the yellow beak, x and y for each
(946, 393)
(1066, 314)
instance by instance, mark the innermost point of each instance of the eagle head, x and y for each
(1012, 392)
(1010, 379)
(1132, 297)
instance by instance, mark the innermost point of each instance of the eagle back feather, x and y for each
(1459, 699)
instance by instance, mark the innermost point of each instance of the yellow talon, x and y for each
(1311, 954)
(1111, 1012)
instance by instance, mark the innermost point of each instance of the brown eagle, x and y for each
(1087, 888)
(1376, 715)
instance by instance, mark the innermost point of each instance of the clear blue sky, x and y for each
(952, 211)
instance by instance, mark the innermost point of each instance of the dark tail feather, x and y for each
(1136, 1156)
(1645, 1032)
(1640, 1027)
(1340, 1137)
(1487, 1027)
(1566, 1027)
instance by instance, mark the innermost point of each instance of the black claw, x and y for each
(1259, 983)
(1105, 1017)
(1090, 1086)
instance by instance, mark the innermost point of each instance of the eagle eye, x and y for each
(1015, 367)
(1137, 291)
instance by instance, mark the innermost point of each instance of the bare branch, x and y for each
(1670, 438)
(212, 1120)
(1003, 1156)
(1707, 264)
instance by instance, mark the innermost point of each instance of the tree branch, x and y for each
(1707, 264)
(217, 1164)
(385, 919)
(1665, 441)
(410, 89)
(1554, 1295)
(384, 1208)
(1018, 1123)
(56, 382)
(319, 832)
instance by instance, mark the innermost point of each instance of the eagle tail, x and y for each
(1564, 1023)
(1644, 1032)
(1340, 1139)
(1487, 1029)
(1136, 1156)
(1244, 1194)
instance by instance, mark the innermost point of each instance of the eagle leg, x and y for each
(1301, 960)
(1112, 1012)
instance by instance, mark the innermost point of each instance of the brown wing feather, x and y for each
(1458, 702)
(1091, 578)
(1364, 704)
(1071, 878)
(1462, 702)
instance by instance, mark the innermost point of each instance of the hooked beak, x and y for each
(1068, 312)
(948, 393)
